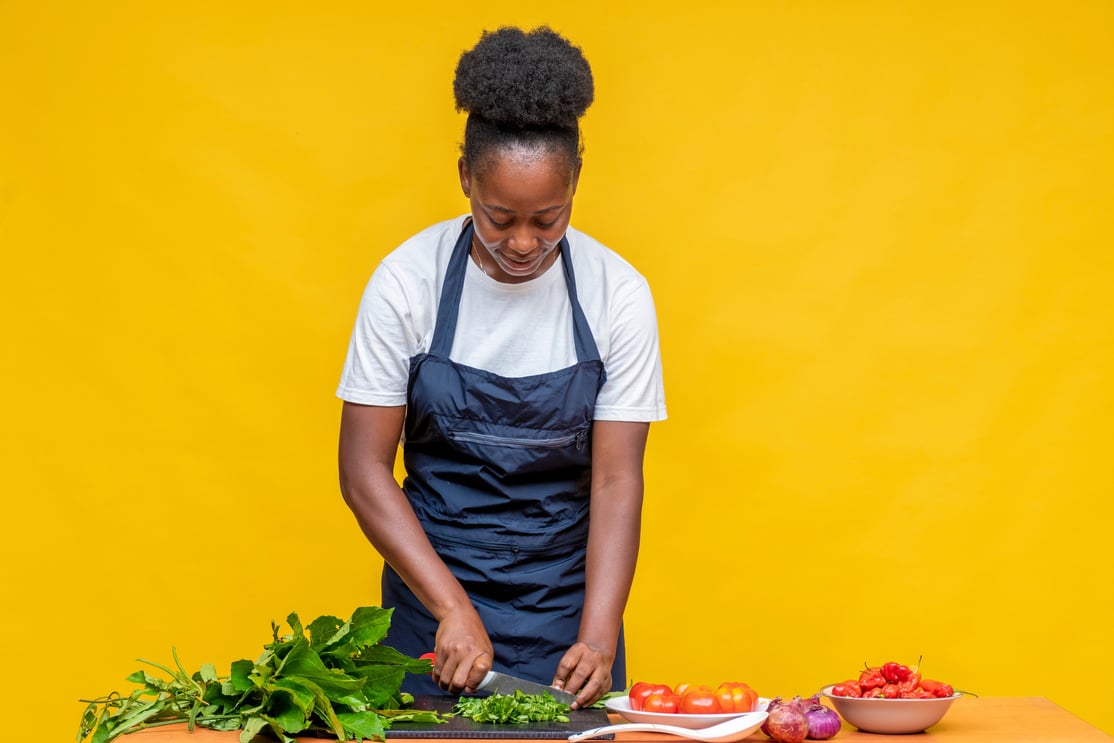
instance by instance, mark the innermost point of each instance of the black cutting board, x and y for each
(464, 727)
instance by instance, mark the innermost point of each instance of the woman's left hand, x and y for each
(585, 670)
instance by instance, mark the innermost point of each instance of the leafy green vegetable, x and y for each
(515, 708)
(338, 681)
(601, 703)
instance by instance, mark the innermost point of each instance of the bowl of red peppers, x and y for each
(891, 698)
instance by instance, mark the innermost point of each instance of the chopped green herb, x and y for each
(513, 708)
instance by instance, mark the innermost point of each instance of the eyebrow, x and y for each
(505, 210)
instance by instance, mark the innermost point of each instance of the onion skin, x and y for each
(786, 721)
(823, 723)
(773, 704)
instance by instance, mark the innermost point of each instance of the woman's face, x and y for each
(521, 202)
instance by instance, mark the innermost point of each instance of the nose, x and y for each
(522, 242)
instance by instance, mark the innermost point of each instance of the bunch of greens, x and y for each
(513, 708)
(339, 681)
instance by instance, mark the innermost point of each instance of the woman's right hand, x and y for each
(463, 651)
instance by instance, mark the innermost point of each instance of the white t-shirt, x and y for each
(512, 330)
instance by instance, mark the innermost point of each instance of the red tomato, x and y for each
(637, 695)
(661, 702)
(700, 701)
(736, 697)
(640, 691)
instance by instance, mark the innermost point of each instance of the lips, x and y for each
(520, 263)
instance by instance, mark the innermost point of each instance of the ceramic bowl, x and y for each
(896, 716)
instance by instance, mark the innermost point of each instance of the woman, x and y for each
(518, 360)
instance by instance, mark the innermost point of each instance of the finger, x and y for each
(565, 668)
(595, 687)
(481, 664)
(468, 675)
(441, 676)
(446, 670)
(598, 686)
(578, 680)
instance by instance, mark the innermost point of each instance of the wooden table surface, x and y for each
(970, 719)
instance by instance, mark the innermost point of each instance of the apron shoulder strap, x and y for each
(586, 349)
(444, 331)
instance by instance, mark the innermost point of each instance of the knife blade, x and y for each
(501, 683)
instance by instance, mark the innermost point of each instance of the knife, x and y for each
(502, 683)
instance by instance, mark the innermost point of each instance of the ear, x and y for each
(465, 177)
(576, 174)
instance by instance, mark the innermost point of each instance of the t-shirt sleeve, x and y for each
(634, 390)
(383, 340)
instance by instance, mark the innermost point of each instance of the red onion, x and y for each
(823, 722)
(786, 722)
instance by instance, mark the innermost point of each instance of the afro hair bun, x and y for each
(521, 79)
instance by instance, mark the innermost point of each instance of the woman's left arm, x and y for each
(616, 522)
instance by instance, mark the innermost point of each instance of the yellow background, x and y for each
(878, 235)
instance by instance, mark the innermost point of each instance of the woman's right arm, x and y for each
(369, 437)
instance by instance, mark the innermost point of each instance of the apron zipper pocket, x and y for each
(558, 547)
(520, 443)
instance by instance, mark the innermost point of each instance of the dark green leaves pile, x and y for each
(513, 708)
(339, 681)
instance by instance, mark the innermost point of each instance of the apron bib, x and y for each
(499, 474)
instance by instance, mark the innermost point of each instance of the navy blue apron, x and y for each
(498, 471)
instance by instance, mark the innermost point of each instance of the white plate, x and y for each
(621, 706)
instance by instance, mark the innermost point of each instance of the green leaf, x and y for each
(88, 721)
(368, 625)
(322, 706)
(296, 686)
(154, 683)
(240, 676)
(303, 661)
(363, 724)
(295, 624)
(323, 629)
(224, 694)
(222, 723)
(252, 727)
(261, 674)
(278, 731)
(388, 656)
(411, 715)
(381, 683)
(208, 673)
(103, 733)
(289, 708)
(136, 717)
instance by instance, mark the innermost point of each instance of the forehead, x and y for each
(529, 161)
